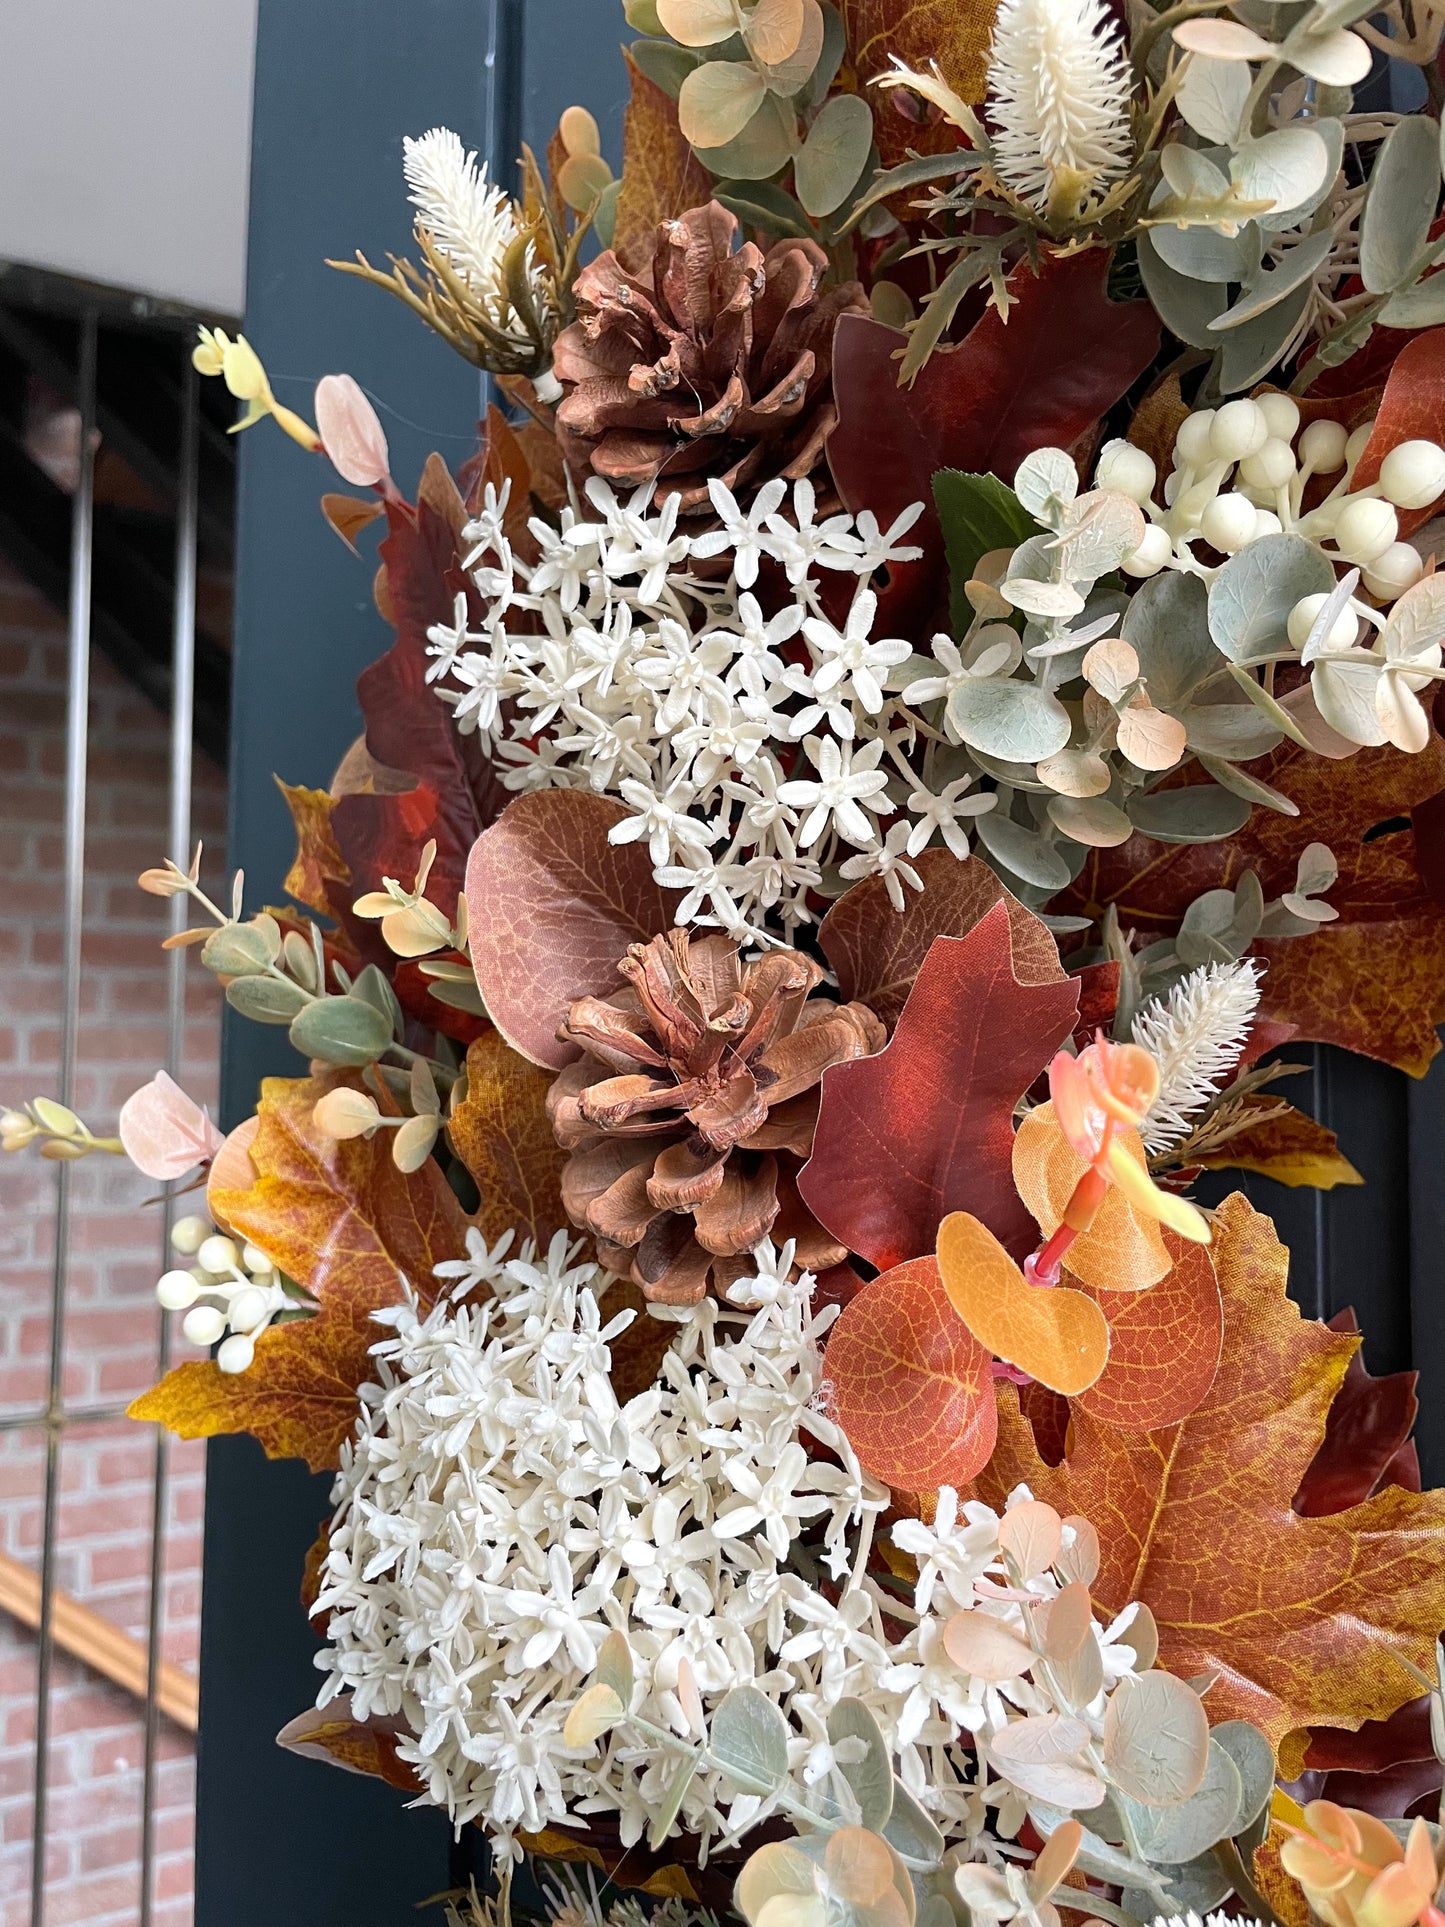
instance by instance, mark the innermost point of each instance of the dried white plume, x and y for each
(1058, 95)
(1197, 1033)
(471, 222)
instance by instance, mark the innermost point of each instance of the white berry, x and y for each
(217, 1254)
(176, 1290)
(1391, 574)
(1322, 447)
(1281, 414)
(1412, 476)
(1365, 528)
(236, 1354)
(1266, 522)
(1302, 620)
(1355, 446)
(204, 1325)
(1127, 470)
(1229, 521)
(248, 1308)
(1270, 466)
(1151, 555)
(1193, 439)
(189, 1234)
(1238, 429)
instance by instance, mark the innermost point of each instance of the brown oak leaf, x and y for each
(955, 33)
(501, 1134)
(1303, 1620)
(1375, 980)
(925, 1127)
(1286, 1145)
(339, 1218)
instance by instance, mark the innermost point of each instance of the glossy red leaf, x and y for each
(926, 1126)
(1369, 1427)
(1043, 378)
(910, 1384)
(552, 907)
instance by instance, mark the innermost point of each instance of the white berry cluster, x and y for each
(761, 756)
(230, 1289)
(499, 1514)
(1240, 473)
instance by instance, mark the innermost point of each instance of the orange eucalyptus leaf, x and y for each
(1058, 1336)
(339, 1218)
(909, 1383)
(1303, 1620)
(1121, 1250)
(1164, 1345)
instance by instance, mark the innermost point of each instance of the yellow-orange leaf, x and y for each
(1303, 1620)
(319, 861)
(1056, 1335)
(340, 1219)
(1287, 1146)
(500, 1132)
(360, 1746)
(1121, 1251)
(661, 177)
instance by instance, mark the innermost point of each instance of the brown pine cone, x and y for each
(716, 361)
(693, 1107)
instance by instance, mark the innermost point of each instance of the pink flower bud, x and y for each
(350, 432)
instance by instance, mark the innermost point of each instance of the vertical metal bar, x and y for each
(183, 697)
(76, 729)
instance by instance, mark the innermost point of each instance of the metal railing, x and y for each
(61, 1623)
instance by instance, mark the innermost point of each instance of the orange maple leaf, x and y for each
(501, 1133)
(1303, 1620)
(348, 1226)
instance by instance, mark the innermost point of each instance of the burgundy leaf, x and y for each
(1369, 1425)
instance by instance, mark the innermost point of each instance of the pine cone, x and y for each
(693, 1108)
(714, 362)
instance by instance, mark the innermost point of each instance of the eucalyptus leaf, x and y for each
(1267, 706)
(764, 204)
(604, 213)
(614, 1666)
(1253, 1756)
(718, 100)
(1286, 167)
(871, 1777)
(1100, 1858)
(1331, 131)
(661, 1822)
(1270, 285)
(1166, 624)
(1251, 597)
(1198, 1886)
(1249, 787)
(1179, 1833)
(1404, 190)
(1018, 721)
(1235, 732)
(1212, 94)
(834, 154)
(372, 987)
(910, 1832)
(835, 45)
(1251, 350)
(236, 950)
(341, 1030)
(1422, 306)
(1045, 482)
(1220, 925)
(1022, 852)
(1199, 813)
(749, 1740)
(1091, 820)
(762, 149)
(1205, 254)
(664, 63)
(1185, 305)
(1156, 1740)
(266, 1000)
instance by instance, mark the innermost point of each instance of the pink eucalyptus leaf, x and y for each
(351, 434)
(165, 1133)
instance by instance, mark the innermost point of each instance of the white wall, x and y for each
(125, 130)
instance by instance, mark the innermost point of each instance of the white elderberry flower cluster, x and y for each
(761, 756)
(499, 1514)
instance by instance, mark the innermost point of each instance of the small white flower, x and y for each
(844, 783)
(850, 662)
(740, 535)
(941, 814)
(888, 860)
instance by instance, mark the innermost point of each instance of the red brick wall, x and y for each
(105, 1514)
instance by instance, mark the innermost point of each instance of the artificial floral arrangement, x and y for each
(925, 685)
